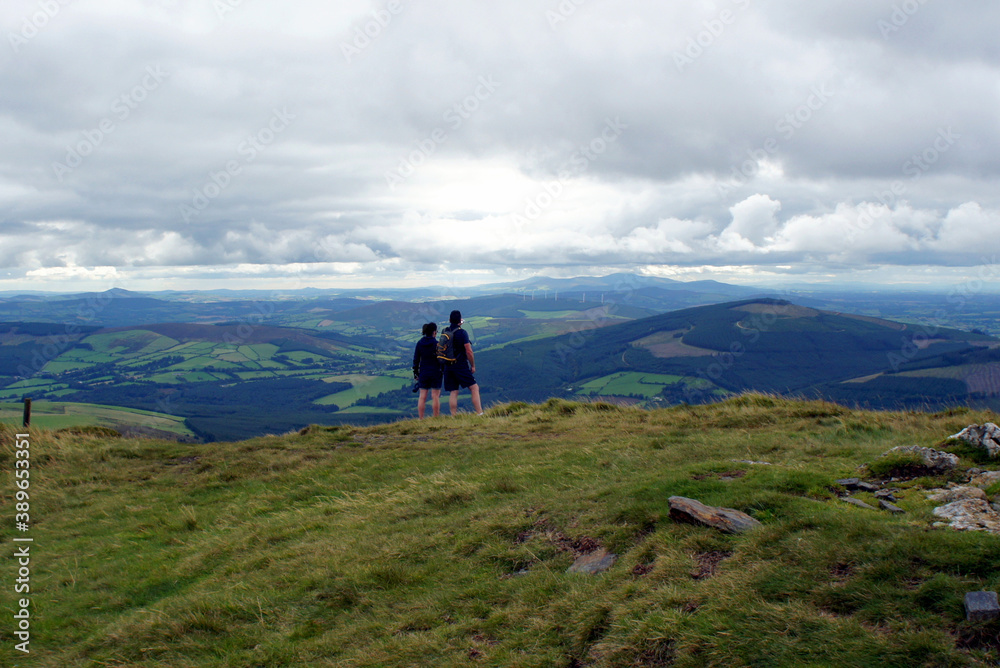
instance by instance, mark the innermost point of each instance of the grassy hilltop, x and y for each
(446, 543)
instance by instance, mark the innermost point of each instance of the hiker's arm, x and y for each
(471, 357)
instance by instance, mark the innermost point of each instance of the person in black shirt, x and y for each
(460, 374)
(427, 370)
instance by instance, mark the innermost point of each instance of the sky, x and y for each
(183, 144)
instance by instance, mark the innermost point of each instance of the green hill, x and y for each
(447, 542)
(765, 345)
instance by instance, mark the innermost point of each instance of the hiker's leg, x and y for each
(436, 402)
(453, 402)
(476, 402)
(421, 403)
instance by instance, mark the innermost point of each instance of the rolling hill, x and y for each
(769, 345)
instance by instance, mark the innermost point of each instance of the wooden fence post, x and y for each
(27, 413)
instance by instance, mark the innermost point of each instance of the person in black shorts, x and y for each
(427, 370)
(461, 373)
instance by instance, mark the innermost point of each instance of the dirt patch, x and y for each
(724, 475)
(642, 569)
(983, 637)
(841, 573)
(181, 461)
(708, 563)
(545, 530)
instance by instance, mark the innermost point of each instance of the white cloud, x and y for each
(812, 107)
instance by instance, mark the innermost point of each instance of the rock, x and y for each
(985, 436)
(955, 494)
(594, 563)
(885, 505)
(857, 485)
(984, 479)
(859, 503)
(726, 520)
(935, 460)
(886, 494)
(981, 606)
(750, 461)
(970, 515)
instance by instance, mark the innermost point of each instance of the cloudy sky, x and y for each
(156, 144)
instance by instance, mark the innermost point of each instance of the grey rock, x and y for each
(981, 606)
(969, 515)
(859, 503)
(984, 479)
(885, 505)
(985, 436)
(726, 520)
(885, 494)
(594, 563)
(955, 493)
(858, 485)
(935, 460)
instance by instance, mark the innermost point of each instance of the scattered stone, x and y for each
(986, 436)
(725, 520)
(885, 505)
(594, 563)
(935, 460)
(859, 503)
(955, 493)
(750, 461)
(886, 494)
(981, 606)
(969, 515)
(857, 485)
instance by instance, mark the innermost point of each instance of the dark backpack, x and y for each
(446, 346)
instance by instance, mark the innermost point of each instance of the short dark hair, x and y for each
(456, 317)
(430, 328)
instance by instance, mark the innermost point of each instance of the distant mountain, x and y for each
(700, 354)
(620, 284)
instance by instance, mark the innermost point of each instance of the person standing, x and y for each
(427, 371)
(462, 372)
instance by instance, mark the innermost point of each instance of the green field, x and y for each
(58, 415)
(626, 384)
(364, 386)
